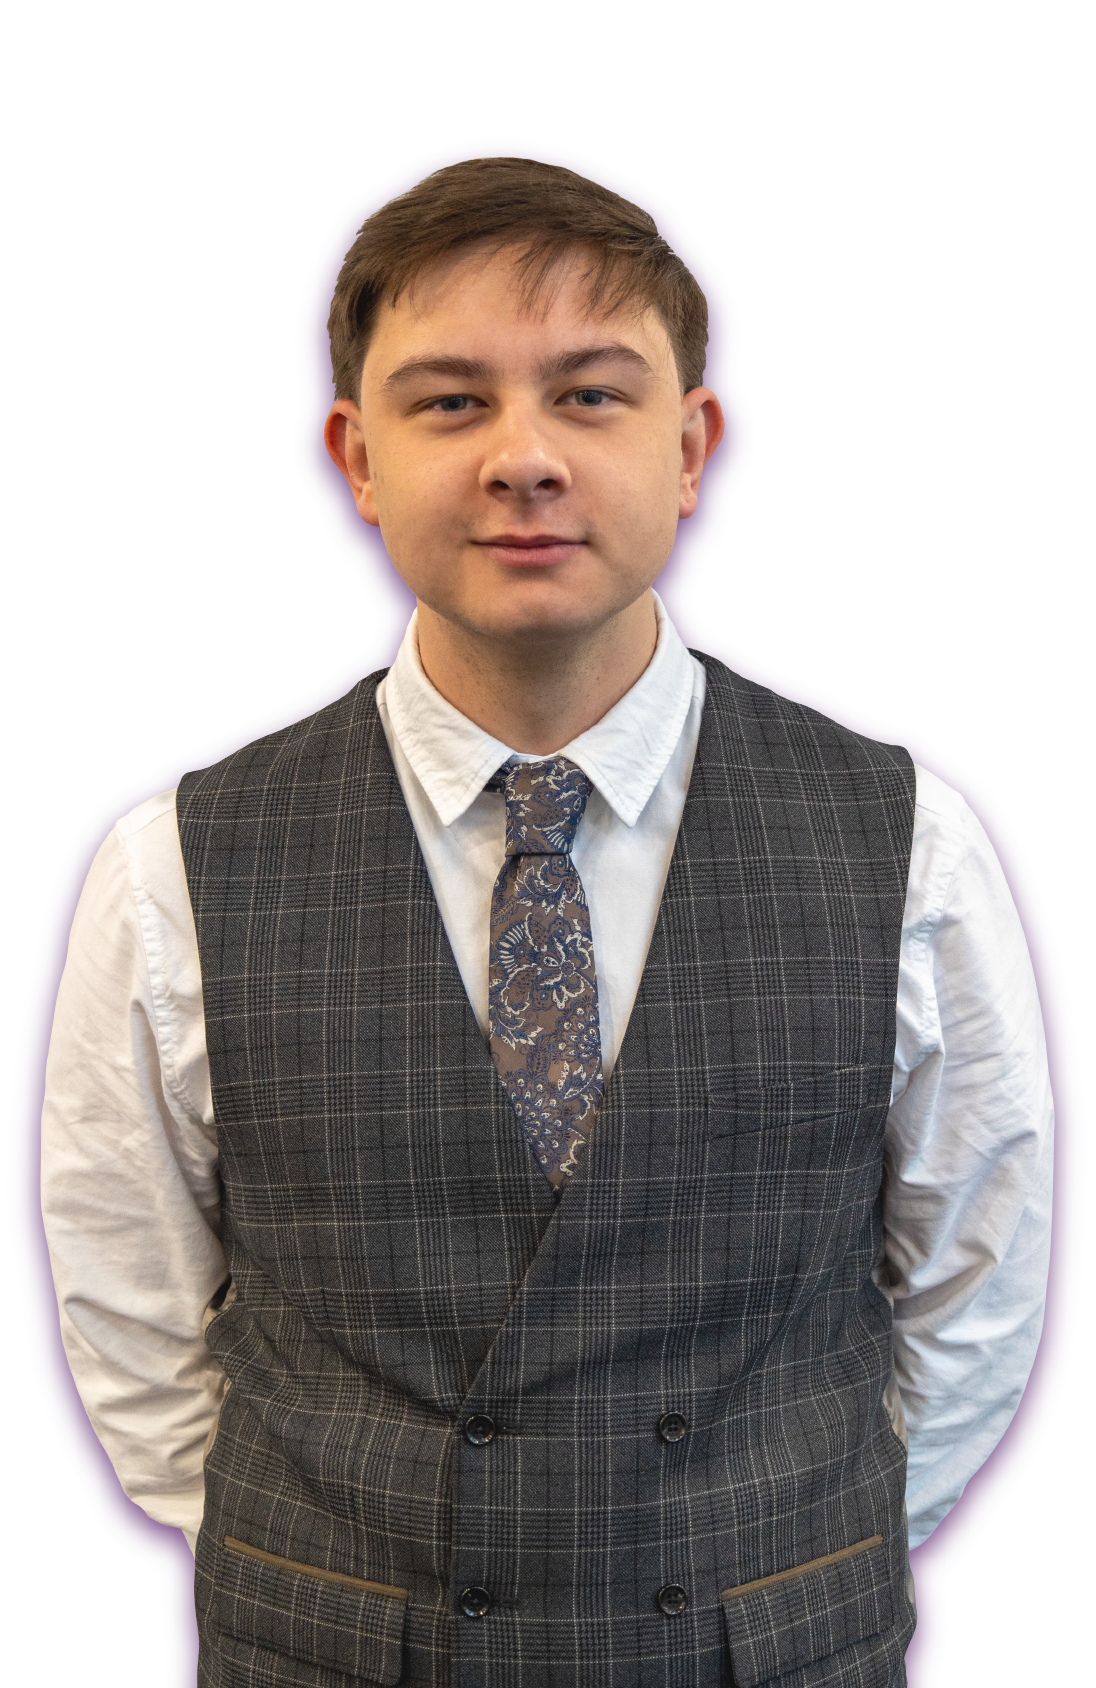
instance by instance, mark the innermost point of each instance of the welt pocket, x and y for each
(322, 1617)
(801, 1570)
(339, 1578)
(792, 1618)
(806, 1101)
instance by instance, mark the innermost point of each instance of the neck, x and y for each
(536, 695)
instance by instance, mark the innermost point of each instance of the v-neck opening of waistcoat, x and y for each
(675, 871)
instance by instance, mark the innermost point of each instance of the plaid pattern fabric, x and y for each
(820, 1621)
(401, 1267)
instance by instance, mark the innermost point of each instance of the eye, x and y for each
(590, 397)
(451, 404)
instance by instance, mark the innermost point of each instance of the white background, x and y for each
(891, 210)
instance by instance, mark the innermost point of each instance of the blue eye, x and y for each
(590, 397)
(453, 402)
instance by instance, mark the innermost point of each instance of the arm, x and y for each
(129, 1169)
(968, 1159)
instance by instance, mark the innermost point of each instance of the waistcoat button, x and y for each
(672, 1599)
(672, 1426)
(475, 1602)
(479, 1430)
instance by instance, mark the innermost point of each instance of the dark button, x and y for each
(479, 1430)
(672, 1426)
(476, 1602)
(672, 1599)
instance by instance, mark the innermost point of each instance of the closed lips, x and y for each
(525, 542)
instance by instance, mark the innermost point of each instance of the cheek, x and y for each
(401, 491)
(646, 482)
(430, 486)
(420, 504)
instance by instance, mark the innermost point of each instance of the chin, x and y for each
(549, 617)
(549, 608)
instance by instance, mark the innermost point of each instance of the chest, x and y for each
(374, 1177)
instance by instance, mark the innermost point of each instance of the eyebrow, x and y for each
(613, 351)
(457, 369)
(474, 369)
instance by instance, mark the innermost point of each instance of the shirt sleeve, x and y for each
(129, 1169)
(967, 1183)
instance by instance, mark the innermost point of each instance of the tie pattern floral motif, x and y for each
(545, 1034)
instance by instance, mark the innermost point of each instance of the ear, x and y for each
(345, 442)
(702, 429)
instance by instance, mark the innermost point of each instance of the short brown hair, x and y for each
(544, 209)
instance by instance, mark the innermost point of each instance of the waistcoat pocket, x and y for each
(734, 1106)
(322, 1617)
(794, 1618)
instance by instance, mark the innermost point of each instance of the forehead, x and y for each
(476, 304)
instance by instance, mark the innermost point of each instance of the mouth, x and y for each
(530, 550)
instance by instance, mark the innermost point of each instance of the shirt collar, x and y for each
(624, 754)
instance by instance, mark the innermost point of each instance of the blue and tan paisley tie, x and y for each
(545, 1035)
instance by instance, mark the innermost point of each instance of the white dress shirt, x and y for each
(130, 1179)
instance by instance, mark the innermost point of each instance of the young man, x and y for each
(523, 1144)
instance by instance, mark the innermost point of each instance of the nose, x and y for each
(522, 461)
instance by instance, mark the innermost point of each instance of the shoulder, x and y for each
(954, 865)
(155, 814)
(134, 910)
(946, 828)
(939, 803)
(134, 853)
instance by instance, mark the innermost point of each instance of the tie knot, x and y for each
(544, 803)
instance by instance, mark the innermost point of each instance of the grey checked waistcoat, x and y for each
(400, 1267)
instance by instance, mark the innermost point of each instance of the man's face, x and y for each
(527, 467)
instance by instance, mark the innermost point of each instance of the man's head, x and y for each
(517, 358)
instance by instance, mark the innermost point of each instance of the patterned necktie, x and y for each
(545, 1035)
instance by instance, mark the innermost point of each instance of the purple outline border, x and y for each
(164, 1550)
